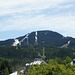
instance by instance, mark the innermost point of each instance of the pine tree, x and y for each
(6, 71)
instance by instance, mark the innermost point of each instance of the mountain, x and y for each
(7, 42)
(45, 37)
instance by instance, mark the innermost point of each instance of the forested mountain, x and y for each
(6, 42)
(41, 38)
(26, 48)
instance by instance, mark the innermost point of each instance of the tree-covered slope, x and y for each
(18, 56)
(30, 52)
(45, 37)
(55, 66)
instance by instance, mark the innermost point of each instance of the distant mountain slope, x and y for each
(7, 42)
(41, 37)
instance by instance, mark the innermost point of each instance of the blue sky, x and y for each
(19, 17)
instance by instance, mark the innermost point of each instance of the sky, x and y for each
(19, 17)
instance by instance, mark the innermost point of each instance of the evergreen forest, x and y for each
(15, 58)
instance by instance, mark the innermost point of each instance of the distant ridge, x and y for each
(44, 37)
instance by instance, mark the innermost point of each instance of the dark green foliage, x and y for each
(5, 67)
(67, 60)
(17, 56)
(20, 55)
(53, 67)
(6, 71)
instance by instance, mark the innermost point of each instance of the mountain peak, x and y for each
(44, 37)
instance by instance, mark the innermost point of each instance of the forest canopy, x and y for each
(53, 67)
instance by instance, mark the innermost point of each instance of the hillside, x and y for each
(41, 38)
(18, 56)
(30, 52)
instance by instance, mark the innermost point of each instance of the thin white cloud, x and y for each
(41, 22)
(16, 6)
(65, 6)
(23, 15)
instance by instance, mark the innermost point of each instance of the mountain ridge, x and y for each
(44, 37)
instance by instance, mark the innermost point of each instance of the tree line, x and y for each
(55, 66)
(18, 56)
